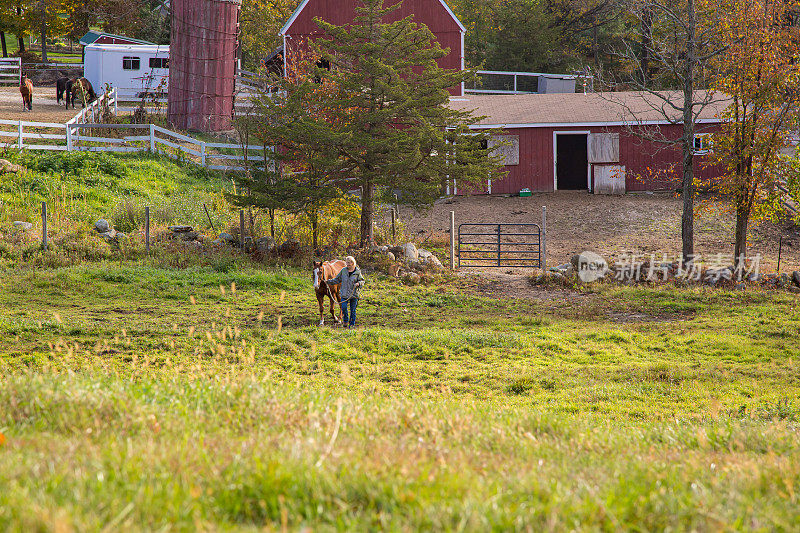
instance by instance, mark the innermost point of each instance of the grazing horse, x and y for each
(26, 90)
(322, 271)
(61, 88)
(80, 87)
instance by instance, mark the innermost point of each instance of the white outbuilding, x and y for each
(134, 70)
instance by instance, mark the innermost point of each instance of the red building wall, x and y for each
(429, 12)
(648, 165)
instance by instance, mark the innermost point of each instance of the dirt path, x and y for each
(45, 108)
(637, 223)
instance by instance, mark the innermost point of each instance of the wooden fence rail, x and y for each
(10, 70)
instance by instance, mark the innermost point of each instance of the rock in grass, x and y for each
(390, 255)
(181, 229)
(102, 226)
(410, 252)
(796, 277)
(7, 167)
(112, 237)
(265, 244)
(228, 238)
(24, 226)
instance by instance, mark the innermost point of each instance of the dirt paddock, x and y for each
(634, 223)
(45, 108)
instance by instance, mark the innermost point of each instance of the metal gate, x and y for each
(500, 245)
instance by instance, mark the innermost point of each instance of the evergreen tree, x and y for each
(297, 175)
(388, 122)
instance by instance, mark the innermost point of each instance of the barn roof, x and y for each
(578, 109)
(92, 36)
(304, 3)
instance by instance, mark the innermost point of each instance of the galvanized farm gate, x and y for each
(501, 245)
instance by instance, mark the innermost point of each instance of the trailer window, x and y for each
(130, 63)
(159, 62)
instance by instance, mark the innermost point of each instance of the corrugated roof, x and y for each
(578, 108)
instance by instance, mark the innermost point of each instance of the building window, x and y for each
(702, 143)
(130, 63)
(159, 62)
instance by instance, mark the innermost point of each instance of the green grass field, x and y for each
(192, 390)
(140, 396)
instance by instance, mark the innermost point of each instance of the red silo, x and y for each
(202, 64)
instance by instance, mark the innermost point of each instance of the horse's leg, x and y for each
(321, 301)
(333, 314)
(335, 296)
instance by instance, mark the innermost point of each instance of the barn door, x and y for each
(572, 163)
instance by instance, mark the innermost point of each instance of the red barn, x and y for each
(435, 14)
(602, 142)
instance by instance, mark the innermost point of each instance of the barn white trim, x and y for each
(586, 124)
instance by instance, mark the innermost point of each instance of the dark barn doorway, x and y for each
(572, 162)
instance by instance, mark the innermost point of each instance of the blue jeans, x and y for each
(353, 303)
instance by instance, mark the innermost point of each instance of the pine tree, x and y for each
(297, 176)
(389, 124)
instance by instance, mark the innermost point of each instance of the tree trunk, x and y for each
(3, 42)
(740, 248)
(43, 36)
(20, 39)
(687, 219)
(367, 193)
(647, 43)
(314, 216)
(272, 224)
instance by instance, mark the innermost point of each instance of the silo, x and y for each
(202, 64)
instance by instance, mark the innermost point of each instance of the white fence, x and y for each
(146, 138)
(10, 70)
(83, 133)
(94, 109)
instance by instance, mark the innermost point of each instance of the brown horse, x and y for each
(26, 90)
(322, 271)
(62, 89)
(81, 88)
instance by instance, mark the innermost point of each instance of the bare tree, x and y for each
(670, 62)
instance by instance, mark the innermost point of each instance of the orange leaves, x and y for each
(2, 439)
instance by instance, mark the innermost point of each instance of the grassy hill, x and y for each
(81, 187)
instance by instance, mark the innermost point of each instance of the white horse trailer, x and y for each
(136, 71)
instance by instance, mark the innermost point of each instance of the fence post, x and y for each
(452, 240)
(498, 245)
(69, 138)
(19, 129)
(543, 244)
(241, 228)
(203, 153)
(147, 228)
(394, 230)
(44, 225)
(152, 138)
(114, 92)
